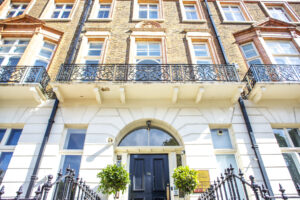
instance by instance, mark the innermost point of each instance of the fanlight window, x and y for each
(148, 137)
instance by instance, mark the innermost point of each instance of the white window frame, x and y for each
(292, 15)
(70, 152)
(49, 10)
(8, 148)
(233, 16)
(104, 9)
(203, 58)
(252, 58)
(93, 36)
(98, 58)
(148, 9)
(200, 15)
(62, 10)
(195, 7)
(147, 36)
(281, 55)
(48, 60)
(136, 8)
(16, 10)
(242, 7)
(96, 8)
(155, 58)
(10, 53)
(282, 8)
(6, 5)
(232, 151)
(295, 151)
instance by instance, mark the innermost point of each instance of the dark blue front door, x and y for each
(149, 175)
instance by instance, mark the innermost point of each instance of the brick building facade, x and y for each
(119, 68)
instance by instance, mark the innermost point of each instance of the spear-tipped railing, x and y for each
(231, 186)
(66, 187)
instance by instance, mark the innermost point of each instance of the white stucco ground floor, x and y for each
(209, 136)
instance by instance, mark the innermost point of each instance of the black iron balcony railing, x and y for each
(271, 73)
(160, 72)
(24, 75)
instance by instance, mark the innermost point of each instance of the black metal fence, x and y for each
(24, 75)
(66, 187)
(159, 72)
(234, 187)
(271, 73)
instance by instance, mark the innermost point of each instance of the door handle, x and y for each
(168, 191)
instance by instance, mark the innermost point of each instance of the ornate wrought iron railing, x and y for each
(231, 186)
(24, 74)
(271, 73)
(152, 73)
(66, 187)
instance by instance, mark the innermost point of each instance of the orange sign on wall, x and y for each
(204, 182)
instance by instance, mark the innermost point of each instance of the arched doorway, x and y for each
(150, 150)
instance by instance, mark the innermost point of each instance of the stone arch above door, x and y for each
(155, 124)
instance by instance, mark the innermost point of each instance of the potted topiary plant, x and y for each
(185, 179)
(113, 178)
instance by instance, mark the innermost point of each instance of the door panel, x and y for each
(149, 175)
(138, 179)
(159, 176)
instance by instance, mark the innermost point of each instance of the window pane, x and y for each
(55, 14)
(136, 138)
(295, 136)
(256, 61)
(143, 14)
(65, 14)
(95, 46)
(75, 139)
(20, 49)
(153, 15)
(45, 53)
(92, 62)
(13, 61)
(72, 161)
(19, 13)
(1, 60)
(191, 15)
(225, 160)
(160, 138)
(49, 45)
(94, 52)
(103, 14)
(4, 160)
(58, 6)
(292, 167)
(229, 16)
(249, 50)
(14, 137)
(69, 6)
(203, 62)
(2, 133)
(281, 138)
(221, 139)
(41, 63)
(239, 16)
(4, 49)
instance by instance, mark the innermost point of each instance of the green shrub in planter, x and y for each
(185, 179)
(113, 178)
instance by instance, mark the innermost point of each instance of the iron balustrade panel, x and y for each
(271, 73)
(147, 72)
(24, 74)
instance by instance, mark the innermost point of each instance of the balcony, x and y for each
(23, 83)
(147, 82)
(274, 81)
